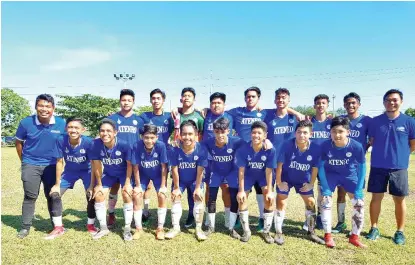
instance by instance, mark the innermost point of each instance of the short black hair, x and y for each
(108, 121)
(321, 96)
(351, 95)
(189, 89)
(393, 91)
(282, 90)
(149, 128)
(340, 121)
(127, 92)
(219, 95)
(158, 90)
(71, 119)
(221, 124)
(304, 123)
(253, 88)
(46, 97)
(259, 124)
(191, 123)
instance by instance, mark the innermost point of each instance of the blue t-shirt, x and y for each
(115, 159)
(280, 129)
(128, 128)
(391, 148)
(255, 163)
(342, 162)
(187, 163)
(359, 129)
(208, 124)
(164, 123)
(223, 158)
(297, 166)
(243, 119)
(39, 146)
(76, 159)
(149, 164)
(321, 130)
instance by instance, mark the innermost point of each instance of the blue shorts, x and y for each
(231, 179)
(68, 179)
(381, 178)
(250, 181)
(109, 181)
(144, 180)
(297, 188)
(349, 185)
(208, 172)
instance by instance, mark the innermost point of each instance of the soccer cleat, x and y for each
(328, 239)
(160, 233)
(354, 240)
(313, 237)
(399, 238)
(146, 218)
(279, 239)
(200, 235)
(111, 220)
(23, 233)
(268, 238)
(91, 228)
(190, 221)
(319, 223)
(373, 234)
(127, 235)
(172, 233)
(138, 233)
(234, 234)
(340, 227)
(260, 226)
(246, 236)
(305, 226)
(101, 233)
(57, 232)
(210, 230)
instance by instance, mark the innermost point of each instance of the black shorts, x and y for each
(379, 178)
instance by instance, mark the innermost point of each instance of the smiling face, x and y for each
(302, 135)
(127, 103)
(321, 105)
(149, 140)
(157, 101)
(44, 109)
(282, 100)
(351, 105)
(188, 135)
(339, 135)
(221, 136)
(258, 135)
(392, 102)
(75, 129)
(107, 133)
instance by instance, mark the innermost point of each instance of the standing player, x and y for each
(187, 164)
(150, 158)
(111, 163)
(74, 149)
(255, 167)
(298, 168)
(36, 147)
(392, 135)
(128, 129)
(359, 128)
(343, 164)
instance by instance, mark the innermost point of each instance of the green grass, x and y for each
(77, 246)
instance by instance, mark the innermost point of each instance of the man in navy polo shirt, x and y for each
(36, 147)
(392, 135)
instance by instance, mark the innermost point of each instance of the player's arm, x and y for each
(297, 114)
(283, 186)
(59, 170)
(325, 190)
(21, 134)
(199, 177)
(176, 189)
(412, 145)
(97, 170)
(163, 175)
(90, 190)
(19, 148)
(241, 178)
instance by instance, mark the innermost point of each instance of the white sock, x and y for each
(232, 220)
(268, 221)
(161, 217)
(138, 216)
(278, 219)
(358, 214)
(146, 205)
(207, 221)
(198, 213)
(260, 201)
(57, 220)
(101, 214)
(326, 219)
(340, 212)
(212, 220)
(112, 201)
(128, 214)
(227, 215)
(91, 221)
(176, 214)
(244, 215)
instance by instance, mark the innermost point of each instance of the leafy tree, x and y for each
(13, 109)
(340, 111)
(306, 110)
(410, 112)
(141, 109)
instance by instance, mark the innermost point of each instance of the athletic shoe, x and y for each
(340, 227)
(354, 240)
(234, 234)
(268, 238)
(313, 237)
(137, 234)
(260, 226)
(127, 235)
(172, 233)
(305, 226)
(101, 233)
(210, 230)
(146, 218)
(111, 220)
(160, 233)
(200, 235)
(279, 239)
(319, 224)
(373, 234)
(329, 240)
(190, 221)
(57, 232)
(246, 236)
(23, 233)
(399, 238)
(91, 228)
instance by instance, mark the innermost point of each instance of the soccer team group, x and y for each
(244, 149)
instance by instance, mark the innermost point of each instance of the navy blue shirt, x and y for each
(280, 129)
(149, 164)
(359, 129)
(128, 128)
(321, 130)
(164, 124)
(76, 159)
(255, 163)
(208, 124)
(243, 119)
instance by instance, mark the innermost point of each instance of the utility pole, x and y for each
(211, 82)
(334, 96)
(124, 78)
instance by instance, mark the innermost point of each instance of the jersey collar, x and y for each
(52, 120)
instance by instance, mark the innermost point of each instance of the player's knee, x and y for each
(211, 206)
(28, 196)
(326, 203)
(55, 196)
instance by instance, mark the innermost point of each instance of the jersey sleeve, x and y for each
(173, 157)
(59, 147)
(411, 129)
(240, 159)
(134, 155)
(163, 153)
(21, 132)
(94, 151)
(272, 159)
(281, 155)
(360, 154)
(316, 157)
(128, 152)
(203, 157)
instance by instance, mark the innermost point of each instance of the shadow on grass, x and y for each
(39, 223)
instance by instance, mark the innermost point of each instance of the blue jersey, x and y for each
(243, 119)
(297, 166)
(255, 163)
(390, 148)
(223, 158)
(359, 129)
(128, 128)
(280, 129)
(321, 130)
(342, 162)
(164, 123)
(76, 159)
(187, 163)
(115, 159)
(149, 164)
(39, 146)
(208, 124)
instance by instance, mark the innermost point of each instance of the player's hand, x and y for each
(283, 186)
(110, 113)
(308, 118)
(128, 189)
(241, 197)
(55, 188)
(175, 193)
(137, 190)
(258, 108)
(175, 143)
(267, 144)
(270, 197)
(89, 193)
(330, 116)
(98, 189)
(306, 187)
(299, 116)
(204, 112)
(197, 194)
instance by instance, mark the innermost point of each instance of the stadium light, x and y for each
(124, 78)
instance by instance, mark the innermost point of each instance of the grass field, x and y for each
(77, 246)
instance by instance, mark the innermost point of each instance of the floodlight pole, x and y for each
(124, 78)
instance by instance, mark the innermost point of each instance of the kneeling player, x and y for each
(150, 159)
(342, 164)
(187, 165)
(255, 167)
(114, 155)
(298, 168)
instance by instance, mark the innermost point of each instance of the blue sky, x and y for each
(308, 47)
